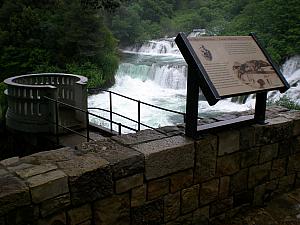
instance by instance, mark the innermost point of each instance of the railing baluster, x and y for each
(120, 127)
(56, 122)
(139, 115)
(87, 126)
(110, 111)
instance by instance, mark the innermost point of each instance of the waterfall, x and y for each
(161, 46)
(291, 71)
(155, 72)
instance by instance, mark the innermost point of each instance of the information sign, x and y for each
(235, 64)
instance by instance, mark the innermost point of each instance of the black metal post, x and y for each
(260, 107)
(139, 115)
(192, 103)
(120, 127)
(56, 122)
(110, 110)
(87, 126)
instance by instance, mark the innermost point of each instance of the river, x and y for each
(155, 73)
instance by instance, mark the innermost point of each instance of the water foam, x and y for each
(155, 73)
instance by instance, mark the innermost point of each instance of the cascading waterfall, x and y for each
(155, 72)
(291, 71)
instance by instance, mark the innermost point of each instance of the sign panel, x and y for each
(235, 64)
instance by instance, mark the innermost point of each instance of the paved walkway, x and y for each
(282, 210)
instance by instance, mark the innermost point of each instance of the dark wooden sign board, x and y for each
(223, 67)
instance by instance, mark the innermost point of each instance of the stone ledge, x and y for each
(13, 193)
(167, 156)
(123, 160)
(139, 137)
(48, 185)
(90, 178)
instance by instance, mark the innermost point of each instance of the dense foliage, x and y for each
(57, 36)
(276, 22)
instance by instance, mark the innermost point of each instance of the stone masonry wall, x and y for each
(152, 178)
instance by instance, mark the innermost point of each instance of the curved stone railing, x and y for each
(29, 111)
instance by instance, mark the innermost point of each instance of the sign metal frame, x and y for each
(198, 77)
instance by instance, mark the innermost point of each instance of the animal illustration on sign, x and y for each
(205, 53)
(255, 73)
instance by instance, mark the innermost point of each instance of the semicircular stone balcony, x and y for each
(30, 110)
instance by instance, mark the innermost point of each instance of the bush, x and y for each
(286, 102)
(89, 70)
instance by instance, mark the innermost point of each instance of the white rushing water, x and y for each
(155, 73)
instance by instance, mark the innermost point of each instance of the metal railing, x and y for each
(110, 120)
(139, 103)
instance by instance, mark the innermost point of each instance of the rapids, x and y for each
(155, 73)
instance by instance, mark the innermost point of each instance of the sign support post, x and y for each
(192, 102)
(260, 107)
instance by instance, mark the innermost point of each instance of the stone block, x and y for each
(55, 205)
(167, 156)
(171, 206)
(285, 148)
(228, 164)
(90, 178)
(58, 219)
(3, 172)
(294, 164)
(189, 199)
(139, 137)
(295, 148)
(277, 129)
(209, 191)
(13, 193)
(249, 157)
(286, 183)
(221, 206)
(264, 192)
(278, 168)
(80, 214)
(48, 185)
(259, 174)
(10, 161)
(151, 213)
(158, 187)
(2, 221)
(268, 152)
(123, 160)
(24, 215)
(112, 211)
(35, 170)
(19, 167)
(296, 127)
(181, 180)
(243, 198)
(186, 220)
(127, 183)
(172, 130)
(247, 138)
(52, 157)
(224, 187)
(297, 180)
(239, 181)
(229, 142)
(201, 216)
(88, 222)
(138, 196)
(205, 158)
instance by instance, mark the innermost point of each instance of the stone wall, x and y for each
(153, 178)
